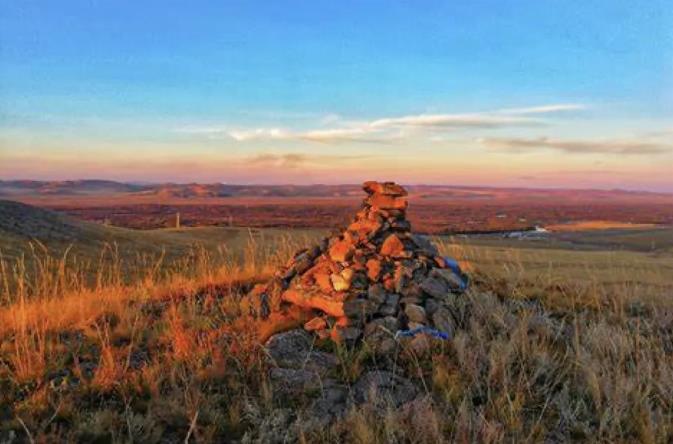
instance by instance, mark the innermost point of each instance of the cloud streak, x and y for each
(545, 109)
(291, 160)
(624, 147)
(296, 160)
(336, 135)
(391, 129)
(440, 121)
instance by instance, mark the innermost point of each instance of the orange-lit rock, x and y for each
(392, 246)
(281, 321)
(383, 202)
(317, 323)
(373, 269)
(316, 301)
(342, 321)
(324, 282)
(341, 251)
(385, 188)
(339, 282)
(365, 227)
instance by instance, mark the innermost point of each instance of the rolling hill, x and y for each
(65, 187)
(32, 232)
(26, 222)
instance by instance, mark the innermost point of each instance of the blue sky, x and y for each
(235, 89)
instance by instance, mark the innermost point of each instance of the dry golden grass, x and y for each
(596, 225)
(553, 347)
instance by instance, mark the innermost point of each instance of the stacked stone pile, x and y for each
(369, 282)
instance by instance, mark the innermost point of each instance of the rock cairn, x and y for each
(367, 283)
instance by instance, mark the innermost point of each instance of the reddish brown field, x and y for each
(430, 211)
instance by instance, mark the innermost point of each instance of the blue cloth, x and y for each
(427, 330)
(452, 264)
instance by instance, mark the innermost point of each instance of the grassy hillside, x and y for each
(21, 223)
(33, 237)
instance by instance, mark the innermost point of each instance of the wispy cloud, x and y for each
(390, 129)
(545, 109)
(258, 133)
(297, 160)
(292, 160)
(493, 119)
(336, 135)
(481, 120)
(625, 147)
(665, 133)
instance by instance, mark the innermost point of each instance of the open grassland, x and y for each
(148, 344)
(541, 269)
(433, 210)
(591, 225)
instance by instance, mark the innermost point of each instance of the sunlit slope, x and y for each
(24, 225)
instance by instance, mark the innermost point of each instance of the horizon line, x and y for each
(345, 184)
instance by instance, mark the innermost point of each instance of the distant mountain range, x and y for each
(65, 187)
(33, 188)
(106, 187)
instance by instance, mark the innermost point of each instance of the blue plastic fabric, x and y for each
(426, 330)
(452, 264)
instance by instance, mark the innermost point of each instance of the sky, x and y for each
(529, 93)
